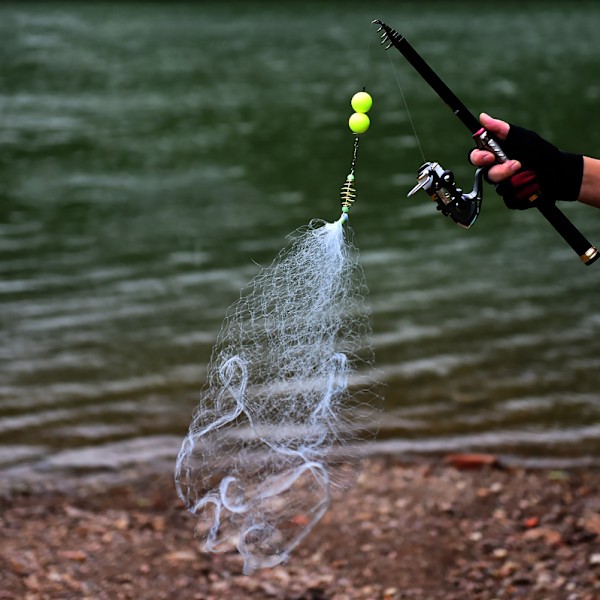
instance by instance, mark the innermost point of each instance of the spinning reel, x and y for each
(439, 184)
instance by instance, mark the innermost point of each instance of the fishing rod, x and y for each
(439, 183)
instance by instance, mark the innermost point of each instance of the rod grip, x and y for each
(586, 252)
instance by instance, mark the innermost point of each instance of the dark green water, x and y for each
(152, 154)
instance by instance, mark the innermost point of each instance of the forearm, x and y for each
(590, 185)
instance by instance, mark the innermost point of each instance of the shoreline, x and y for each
(117, 463)
(424, 528)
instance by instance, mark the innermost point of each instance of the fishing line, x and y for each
(369, 62)
(409, 114)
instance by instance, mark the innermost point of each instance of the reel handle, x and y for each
(586, 251)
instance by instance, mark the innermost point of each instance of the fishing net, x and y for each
(267, 448)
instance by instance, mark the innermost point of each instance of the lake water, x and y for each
(151, 155)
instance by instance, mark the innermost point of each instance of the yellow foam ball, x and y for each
(359, 122)
(361, 102)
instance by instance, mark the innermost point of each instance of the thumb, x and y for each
(496, 127)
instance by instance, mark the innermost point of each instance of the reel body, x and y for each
(439, 184)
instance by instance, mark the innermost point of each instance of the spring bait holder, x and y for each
(348, 191)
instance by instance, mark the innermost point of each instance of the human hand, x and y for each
(482, 158)
(537, 167)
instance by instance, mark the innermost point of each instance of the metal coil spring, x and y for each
(348, 193)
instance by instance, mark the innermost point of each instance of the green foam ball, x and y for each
(359, 122)
(361, 102)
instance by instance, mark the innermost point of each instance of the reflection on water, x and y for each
(152, 156)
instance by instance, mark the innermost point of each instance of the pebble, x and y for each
(595, 559)
(489, 546)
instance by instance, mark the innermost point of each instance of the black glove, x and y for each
(520, 191)
(546, 170)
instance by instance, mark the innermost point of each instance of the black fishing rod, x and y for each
(462, 208)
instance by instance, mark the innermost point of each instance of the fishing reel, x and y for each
(439, 184)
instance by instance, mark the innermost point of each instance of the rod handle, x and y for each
(582, 247)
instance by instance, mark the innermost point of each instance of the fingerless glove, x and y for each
(520, 191)
(546, 170)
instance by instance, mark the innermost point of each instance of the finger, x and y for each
(496, 127)
(481, 158)
(501, 172)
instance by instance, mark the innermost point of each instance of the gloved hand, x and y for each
(544, 169)
(520, 190)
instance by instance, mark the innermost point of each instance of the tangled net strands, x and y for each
(265, 450)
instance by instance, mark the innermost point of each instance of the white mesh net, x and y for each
(262, 457)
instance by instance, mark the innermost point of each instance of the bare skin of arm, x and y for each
(590, 186)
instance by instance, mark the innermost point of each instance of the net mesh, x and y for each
(265, 450)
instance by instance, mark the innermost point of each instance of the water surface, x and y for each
(152, 155)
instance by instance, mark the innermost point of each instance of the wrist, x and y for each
(569, 176)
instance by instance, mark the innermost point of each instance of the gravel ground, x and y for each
(428, 529)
